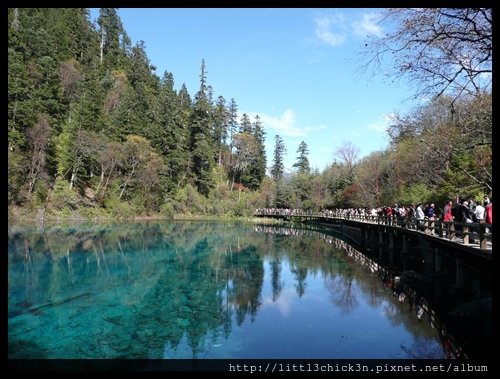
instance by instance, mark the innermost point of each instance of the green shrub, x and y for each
(118, 208)
(62, 196)
(167, 210)
(418, 193)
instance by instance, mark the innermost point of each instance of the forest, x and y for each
(94, 132)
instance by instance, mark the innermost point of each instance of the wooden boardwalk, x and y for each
(448, 233)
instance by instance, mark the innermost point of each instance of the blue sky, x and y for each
(295, 68)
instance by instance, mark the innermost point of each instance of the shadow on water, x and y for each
(213, 290)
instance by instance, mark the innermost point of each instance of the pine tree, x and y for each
(246, 151)
(221, 117)
(278, 167)
(183, 120)
(201, 142)
(242, 149)
(302, 164)
(185, 101)
(142, 90)
(111, 30)
(171, 137)
(20, 102)
(257, 169)
(233, 122)
(246, 124)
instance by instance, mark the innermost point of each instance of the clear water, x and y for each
(202, 290)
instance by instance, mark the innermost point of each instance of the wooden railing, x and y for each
(444, 229)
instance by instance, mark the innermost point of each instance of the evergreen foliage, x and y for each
(279, 151)
(302, 164)
(92, 130)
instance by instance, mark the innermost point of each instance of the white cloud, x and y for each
(368, 25)
(283, 302)
(334, 29)
(323, 26)
(285, 124)
(382, 123)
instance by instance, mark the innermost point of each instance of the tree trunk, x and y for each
(15, 21)
(232, 182)
(74, 174)
(102, 44)
(100, 181)
(33, 175)
(126, 182)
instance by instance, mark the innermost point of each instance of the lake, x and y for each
(206, 290)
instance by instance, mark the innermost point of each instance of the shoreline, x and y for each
(20, 216)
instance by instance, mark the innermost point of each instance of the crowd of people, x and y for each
(468, 211)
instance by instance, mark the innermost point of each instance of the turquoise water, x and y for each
(202, 290)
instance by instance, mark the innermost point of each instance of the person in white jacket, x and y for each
(479, 212)
(419, 215)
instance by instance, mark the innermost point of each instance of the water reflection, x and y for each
(344, 294)
(208, 290)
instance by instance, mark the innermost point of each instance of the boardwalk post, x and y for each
(451, 231)
(391, 240)
(482, 237)
(465, 232)
(439, 227)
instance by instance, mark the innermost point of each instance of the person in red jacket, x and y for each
(447, 216)
(488, 218)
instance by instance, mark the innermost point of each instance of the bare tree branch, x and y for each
(440, 50)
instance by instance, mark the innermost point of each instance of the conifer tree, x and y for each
(302, 164)
(111, 29)
(278, 167)
(221, 118)
(201, 142)
(257, 169)
(233, 122)
(246, 124)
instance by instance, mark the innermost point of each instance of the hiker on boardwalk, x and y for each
(488, 218)
(419, 215)
(447, 216)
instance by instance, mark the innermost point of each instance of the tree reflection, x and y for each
(169, 286)
(342, 291)
(245, 278)
(276, 282)
(300, 275)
